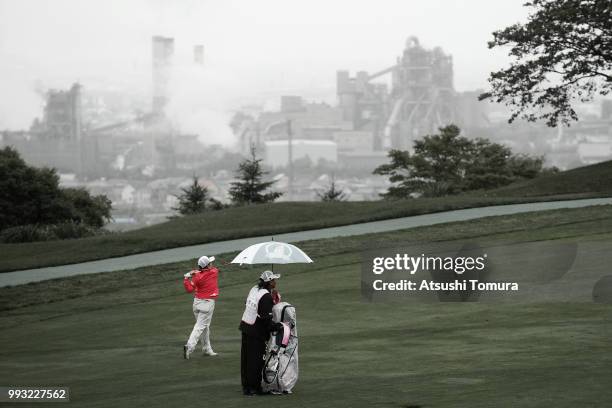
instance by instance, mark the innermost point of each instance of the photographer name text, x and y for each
(457, 285)
(455, 265)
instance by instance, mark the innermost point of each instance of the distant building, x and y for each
(472, 113)
(62, 114)
(353, 141)
(57, 139)
(277, 151)
(188, 151)
(421, 98)
(308, 121)
(292, 104)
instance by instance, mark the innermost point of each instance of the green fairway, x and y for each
(116, 338)
(232, 223)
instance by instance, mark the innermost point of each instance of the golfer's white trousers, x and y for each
(202, 310)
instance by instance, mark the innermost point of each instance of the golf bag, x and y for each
(280, 372)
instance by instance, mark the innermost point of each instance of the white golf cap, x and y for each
(267, 276)
(205, 260)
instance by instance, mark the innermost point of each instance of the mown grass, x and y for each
(241, 222)
(596, 178)
(116, 338)
(270, 219)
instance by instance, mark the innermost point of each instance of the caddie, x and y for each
(256, 326)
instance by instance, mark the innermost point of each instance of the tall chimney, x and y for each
(163, 49)
(198, 54)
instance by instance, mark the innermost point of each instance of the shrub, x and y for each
(70, 230)
(26, 233)
(37, 232)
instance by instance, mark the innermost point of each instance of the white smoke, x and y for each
(199, 101)
(18, 93)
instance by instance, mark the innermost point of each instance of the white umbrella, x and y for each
(272, 252)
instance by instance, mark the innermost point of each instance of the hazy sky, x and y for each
(252, 48)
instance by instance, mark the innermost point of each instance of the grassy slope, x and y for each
(231, 223)
(596, 178)
(116, 338)
(590, 181)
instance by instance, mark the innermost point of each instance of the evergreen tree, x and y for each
(333, 193)
(193, 199)
(250, 189)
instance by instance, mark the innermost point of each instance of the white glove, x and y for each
(187, 275)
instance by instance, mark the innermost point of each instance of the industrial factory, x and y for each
(146, 142)
(374, 113)
(140, 159)
(391, 108)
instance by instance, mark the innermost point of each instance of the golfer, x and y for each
(204, 281)
(256, 326)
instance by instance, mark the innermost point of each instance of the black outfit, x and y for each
(253, 348)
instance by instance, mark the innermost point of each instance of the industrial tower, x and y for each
(421, 99)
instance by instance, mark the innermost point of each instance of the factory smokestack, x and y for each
(163, 49)
(198, 54)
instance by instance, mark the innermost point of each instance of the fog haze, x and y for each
(253, 51)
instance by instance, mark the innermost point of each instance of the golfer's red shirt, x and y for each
(204, 282)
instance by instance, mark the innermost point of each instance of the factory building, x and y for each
(308, 121)
(57, 139)
(145, 142)
(62, 114)
(421, 98)
(373, 116)
(277, 151)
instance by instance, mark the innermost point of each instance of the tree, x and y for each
(435, 168)
(561, 54)
(250, 189)
(448, 163)
(333, 193)
(30, 195)
(193, 199)
(94, 211)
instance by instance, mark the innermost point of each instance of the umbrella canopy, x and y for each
(272, 252)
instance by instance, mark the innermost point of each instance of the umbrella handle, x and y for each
(272, 264)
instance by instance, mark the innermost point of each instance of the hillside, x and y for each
(276, 218)
(596, 178)
(231, 223)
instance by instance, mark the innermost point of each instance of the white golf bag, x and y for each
(280, 372)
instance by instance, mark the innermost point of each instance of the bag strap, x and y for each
(283, 312)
